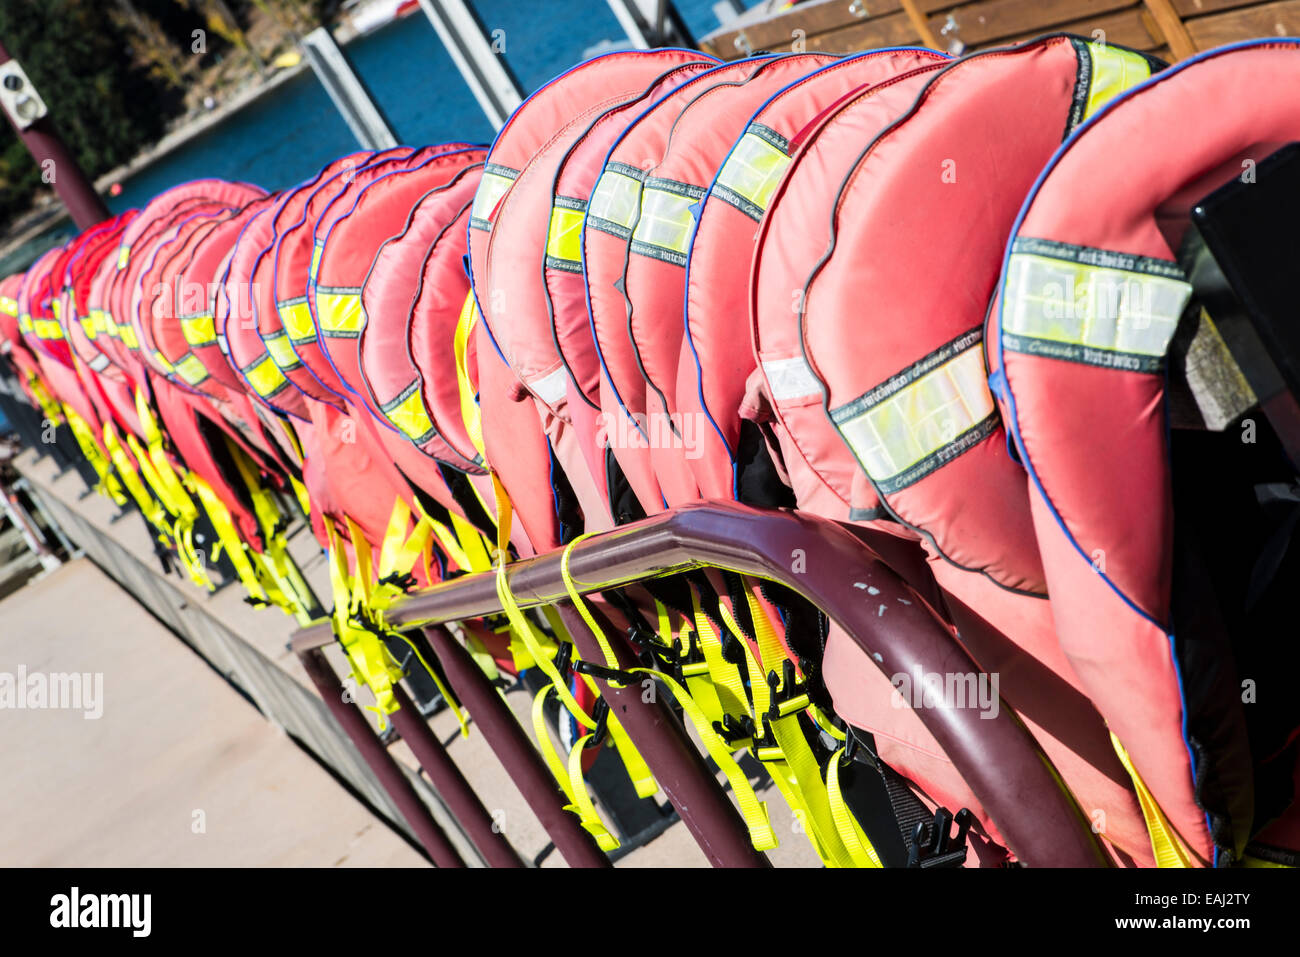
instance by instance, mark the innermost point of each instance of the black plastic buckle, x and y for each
(736, 732)
(786, 689)
(942, 849)
(608, 674)
(599, 733)
(405, 582)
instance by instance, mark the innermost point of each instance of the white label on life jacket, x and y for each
(790, 379)
(550, 388)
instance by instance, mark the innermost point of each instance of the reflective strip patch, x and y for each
(191, 369)
(317, 250)
(25, 323)
(163, 361)
(1104, 73)
(123, 256)
(281, 351)
(564, 237)
(264, 376)
(126, 332)
(100, 320)
(496, 180)
(199, 330)
(47, 329)
(407, 413)
(550, 388)
(1093, 306)
(616, 200)
(752, 172)
(295, 316)
(99, 363)
(666, 223)
(340, 313)
(56, 307)
(790, 379)
(8, 306)
(88, 326)
(922, 418)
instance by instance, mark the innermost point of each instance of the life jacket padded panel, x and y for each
(374, 214)
(530, 228)
(654, 273)
(1084, 396)
(587, 89)
(423, 264)
(293, 257)
(713, 371)
(914, 413)
(611, 215)
(789, 242)
(201, 275)
(235, 318)
(571, 415)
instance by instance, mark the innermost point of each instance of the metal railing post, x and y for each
(513, 748)
(450, 784)
(677, 764)
(390, 776)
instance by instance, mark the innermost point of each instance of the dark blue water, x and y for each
(288, 134)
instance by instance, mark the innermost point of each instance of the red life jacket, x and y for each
(611, 216)
(528, 227)
(1151, 636)
(573, 418)
(713, 373)
(913, 418)
(412, 299)
(293, 251)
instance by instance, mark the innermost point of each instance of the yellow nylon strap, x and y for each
(520, 624)
(471, 544)
(570, 777)
(300, 493)
(597, 632)
(642, 777)
(149, 507)
(372, 663)
(171, 486)
(108, 485)
(397, 556)
(729, 687)
(824, 723)
(752, 810)
(586, 810)
(851, 835)
(229, 537)
(469, 410)
(1165, 842)
(50, 407)
(799, 758)
(285, 587)
(482, 657)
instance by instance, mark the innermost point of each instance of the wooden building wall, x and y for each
(1171, 29)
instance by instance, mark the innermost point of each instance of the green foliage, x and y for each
(105, 109)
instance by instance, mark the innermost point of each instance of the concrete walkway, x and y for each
(178, 770)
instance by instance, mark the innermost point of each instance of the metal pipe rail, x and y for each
(831, 567)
